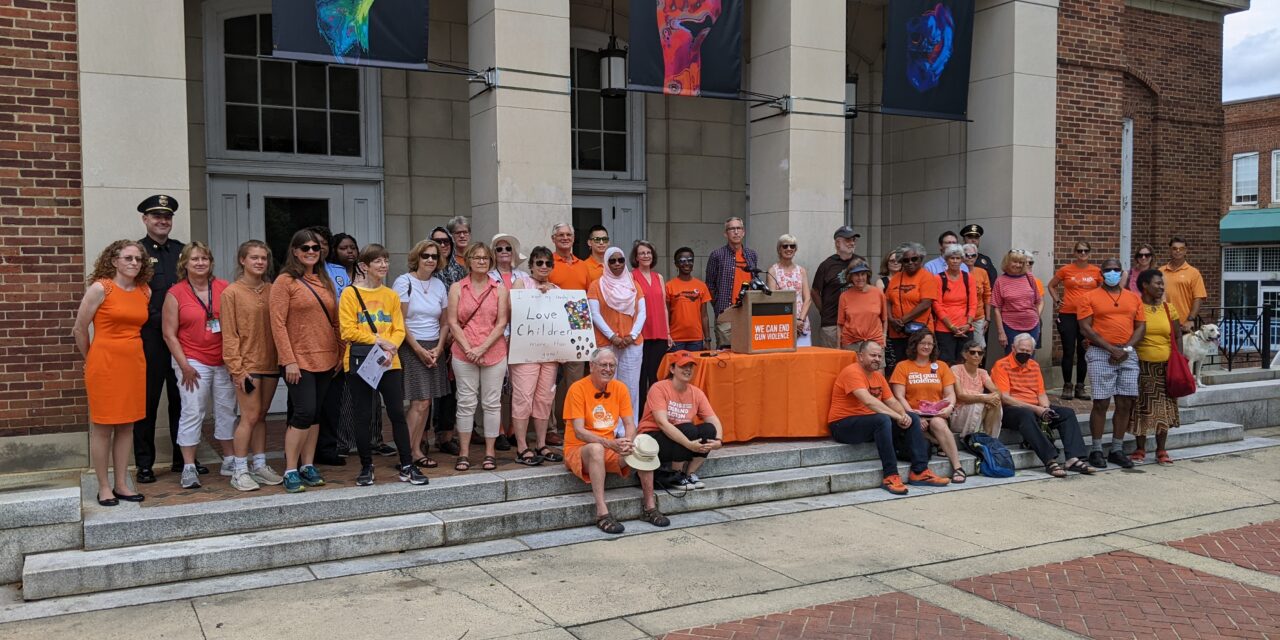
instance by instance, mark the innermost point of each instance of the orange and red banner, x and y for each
(686, 47)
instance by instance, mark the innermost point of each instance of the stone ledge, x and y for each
(39, 507)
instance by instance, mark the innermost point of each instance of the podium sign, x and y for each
(763, 323)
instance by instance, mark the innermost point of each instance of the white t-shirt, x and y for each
(426, 300)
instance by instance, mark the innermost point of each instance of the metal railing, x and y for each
(1248, 336)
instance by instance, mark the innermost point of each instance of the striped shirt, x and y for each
(1022, 382)
(1016, 297)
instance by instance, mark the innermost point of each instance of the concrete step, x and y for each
(441, 521)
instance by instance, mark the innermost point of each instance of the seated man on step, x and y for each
(863, 410)
(592, 408)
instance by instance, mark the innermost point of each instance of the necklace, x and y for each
(1116, 300)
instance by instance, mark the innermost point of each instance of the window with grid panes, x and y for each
(282, 106)
(599, 124)
(1270, 259)
(1240, 259)
(1244, 179)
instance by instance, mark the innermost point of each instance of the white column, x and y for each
(521, 178)
(797, 160)
(133, 115)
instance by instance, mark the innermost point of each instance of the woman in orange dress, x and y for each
(115, 369)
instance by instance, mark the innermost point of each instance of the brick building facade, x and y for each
(1251, 126)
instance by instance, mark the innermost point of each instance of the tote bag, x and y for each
(1178, 381)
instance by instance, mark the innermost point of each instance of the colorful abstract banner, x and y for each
(686, 47)
(927, 49)
(373, 33)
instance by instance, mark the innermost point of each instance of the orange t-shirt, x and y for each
(1113, 317)
(680, 407)
(905, 292)
(568, 274)
(1023, 383)
(621, 323)
(922, 382)
(740, 275)
(982, 288)
(862, 315)
(850, 379)
(592, 269)
(958, 304)
(599, 415)
(684, 302)
(1076, 282)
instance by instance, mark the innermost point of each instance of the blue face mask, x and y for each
(1111, 278)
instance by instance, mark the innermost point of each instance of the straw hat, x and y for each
(517, 258)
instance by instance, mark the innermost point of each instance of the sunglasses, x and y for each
(602, 394)
(542, 263)
(309, 248)
(970, 256)
(443, 241)
(617, 260)
(910, 260)
(599, 239)
(1082, 251)
(975, 352)
(130, 258)
(429, 256)
(502, 249)
(1111, 270)
(684, 260)
(1145, 255)
(788, 247)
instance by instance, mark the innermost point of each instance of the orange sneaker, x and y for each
(893, 484)
(926, 478)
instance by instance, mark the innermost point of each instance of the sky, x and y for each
(1251, 52)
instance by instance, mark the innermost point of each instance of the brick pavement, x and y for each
(890, 615)
(1127, 595)
(1254, 547)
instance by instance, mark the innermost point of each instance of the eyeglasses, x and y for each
(1144, 254)
(462, 232)
(130, 258)
(599, 239)
(970, 256)
(502, 249)
(309, 248)
(562, 234)
(542, 263)
(1082, 251)
(617, 260)
(684, 260)
(479, 258)
(429, 256)
(788, 247)
(731, 229)
(975, 352)
(912, 259)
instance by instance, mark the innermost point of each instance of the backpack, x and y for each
(994, 459)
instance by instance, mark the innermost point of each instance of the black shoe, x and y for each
(450, 447)
(501, 443)
(146, 476)
(1096, 460)
(137, 497)
(1118, 458)
(385, 450)
(366, 476)
(410, 474)
(330, 459)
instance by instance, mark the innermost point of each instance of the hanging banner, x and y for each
(550, 327)
(686, 48)
(927, 49)
(371, 33)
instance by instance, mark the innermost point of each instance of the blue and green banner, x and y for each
(928, 44)
(374, 33)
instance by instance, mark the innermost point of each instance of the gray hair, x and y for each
(561, 225)
(970, 248)
(734, 219)
(1024, 337)
(600, 353)
(457, 221)
(953, 250)
(915, 247)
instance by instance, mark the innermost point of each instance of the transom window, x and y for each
(281, 106)
(599, 124)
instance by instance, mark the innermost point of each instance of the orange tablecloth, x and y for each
(770, 395)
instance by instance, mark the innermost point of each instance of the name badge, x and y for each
(213, 325)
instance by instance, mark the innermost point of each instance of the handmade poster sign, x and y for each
(550, 327)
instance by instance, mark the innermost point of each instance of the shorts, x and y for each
(612, 464)
(1106, 379)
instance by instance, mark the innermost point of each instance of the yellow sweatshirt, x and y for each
(384, 309)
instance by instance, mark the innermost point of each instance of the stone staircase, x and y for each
(131, 546)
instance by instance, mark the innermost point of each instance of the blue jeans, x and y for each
(689, 346)
(1010, 333)
(879, 427)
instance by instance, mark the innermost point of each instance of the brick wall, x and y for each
(1164, 72)
(1252, 125)
(41, 249)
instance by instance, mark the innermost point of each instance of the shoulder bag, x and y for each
(361, 351)
(1178, 381)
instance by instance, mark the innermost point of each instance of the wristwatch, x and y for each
(1128, 348)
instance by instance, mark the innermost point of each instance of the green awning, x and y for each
(1250, 225)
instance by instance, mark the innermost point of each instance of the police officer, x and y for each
(157, 216)
(972, 234)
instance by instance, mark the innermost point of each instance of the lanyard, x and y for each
(208, 308)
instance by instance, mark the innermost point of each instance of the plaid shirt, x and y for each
(720, 273)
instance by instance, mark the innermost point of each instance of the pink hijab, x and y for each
(619, 292)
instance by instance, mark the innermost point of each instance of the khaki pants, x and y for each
(828, 337)
(723, 332)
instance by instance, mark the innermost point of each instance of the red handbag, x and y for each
(1178, 381)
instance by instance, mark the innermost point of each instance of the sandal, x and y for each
(608, 524)
(425, 463)
(958, 472)
(1163, 457)
(462, 464)
(1082, 467)
(655, 517)
(548, 454)
(1138, 455)
(1054, 469)
(531, 460)
(490, 463)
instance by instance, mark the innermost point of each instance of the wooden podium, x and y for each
(763, 323)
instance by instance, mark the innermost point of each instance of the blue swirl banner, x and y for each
(371, 33)
(928, 44)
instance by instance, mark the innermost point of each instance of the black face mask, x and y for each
(1022, 358)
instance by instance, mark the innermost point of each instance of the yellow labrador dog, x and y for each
(1198, 345)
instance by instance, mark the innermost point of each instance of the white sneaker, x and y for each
(190, 479)
(243, 482)
(696, 481)
(266, 475)
(228, 469)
